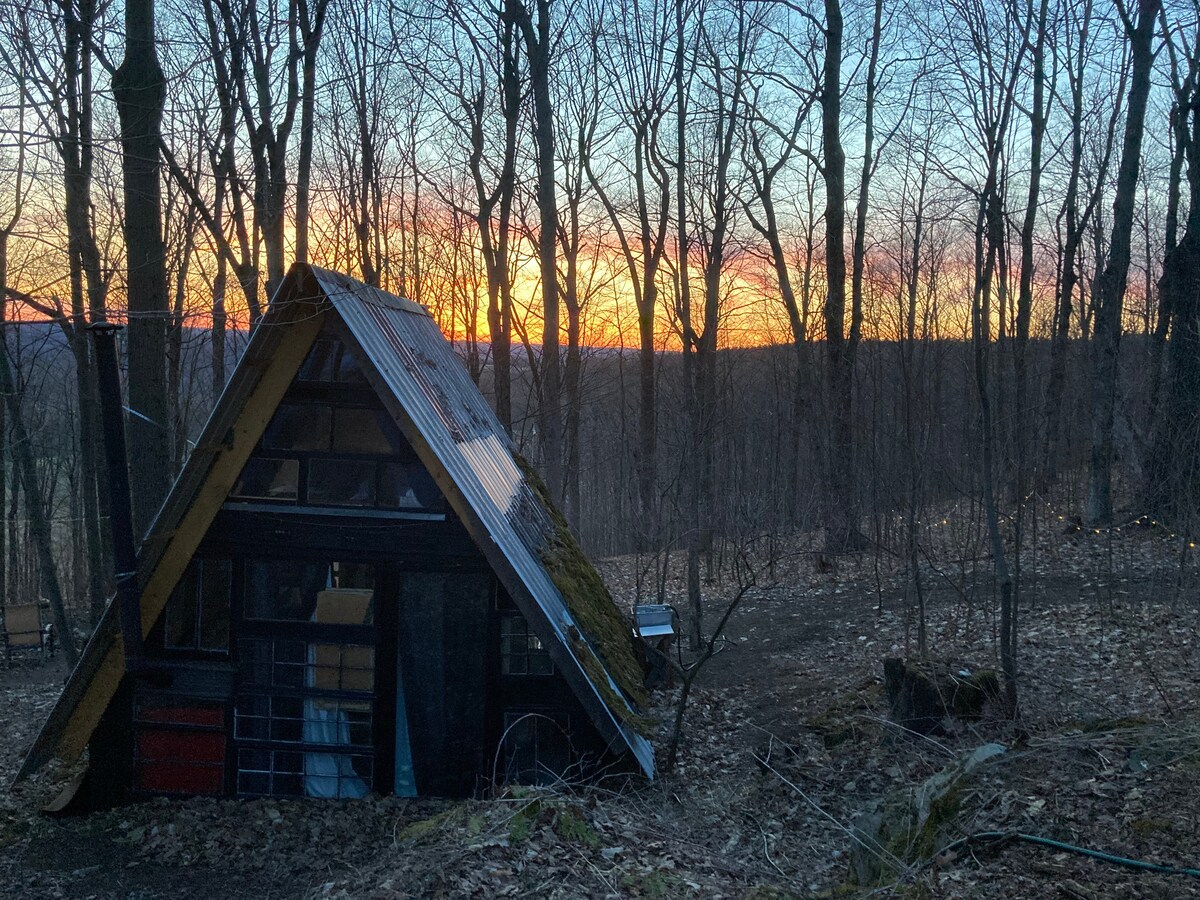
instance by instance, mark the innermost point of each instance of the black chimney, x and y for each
(104, 336)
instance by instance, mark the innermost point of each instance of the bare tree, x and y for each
(21, 446)
(61, 96)
(841, 530)
(475, 64)
(539, 50)
(768, 148)
(246, 39)
(986, 51)
(1111, 286)
(636, 91)
(138, 86)
(707, 222)
(1174, 485)
(1076, 221)
(311, 21)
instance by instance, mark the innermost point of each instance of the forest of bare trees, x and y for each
(724, 268)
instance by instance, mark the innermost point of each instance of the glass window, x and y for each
(274, 772)
(283, 589)
(365, 431)
(182, 611)
(268, 479)
(216, 579)
(331, 361)
(408, 486)
(197, 615)
(342, 667)
(521, 651)
(309, 707)
(303, 591)
(298, 427)
(341, 482)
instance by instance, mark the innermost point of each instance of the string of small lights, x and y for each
(1141, 522)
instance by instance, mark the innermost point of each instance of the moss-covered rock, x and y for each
(913, 824)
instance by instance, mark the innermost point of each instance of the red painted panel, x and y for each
(180, 778)
(212, 716)
(180, 762)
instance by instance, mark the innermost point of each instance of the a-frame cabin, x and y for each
(354, 585)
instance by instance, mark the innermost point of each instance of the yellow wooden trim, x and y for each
(86, 715)
(194, 524)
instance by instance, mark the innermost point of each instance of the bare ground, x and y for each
(786, 741)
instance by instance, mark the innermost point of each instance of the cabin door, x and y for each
(441, 688)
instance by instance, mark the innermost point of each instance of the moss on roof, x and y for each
(607, 630)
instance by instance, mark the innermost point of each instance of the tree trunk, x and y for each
(220, 286)
(1174, 480)
(841, 531)
(1037, 130)
(550, 412)
(1111, 293)
(981, 313)
(139, 88)
(1061, 331)
(311, 32)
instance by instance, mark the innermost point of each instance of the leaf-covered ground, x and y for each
(786, 741)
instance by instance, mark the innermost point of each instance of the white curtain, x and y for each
(329, 774)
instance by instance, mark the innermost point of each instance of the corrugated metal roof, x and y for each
(443, 406)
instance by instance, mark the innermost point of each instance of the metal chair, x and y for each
(24, 631)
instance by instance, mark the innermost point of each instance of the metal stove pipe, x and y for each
(104, 337)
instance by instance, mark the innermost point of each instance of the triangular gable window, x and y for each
(330, 362)
(331, 444)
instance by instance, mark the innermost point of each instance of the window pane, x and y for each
(540, 663)
(341, 482)
(215, 578)
(330, 360)
(255, 659)
(298, 427)
(342, 667)
(180, 630)
(318, 365)
(365, 431)
(268, 479)
(253, 783)
(408, 486)
(284, 589)
(521, 651)
(352, 575)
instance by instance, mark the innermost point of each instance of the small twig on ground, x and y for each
(766, 845)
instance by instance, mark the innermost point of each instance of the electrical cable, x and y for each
(1001, 837)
